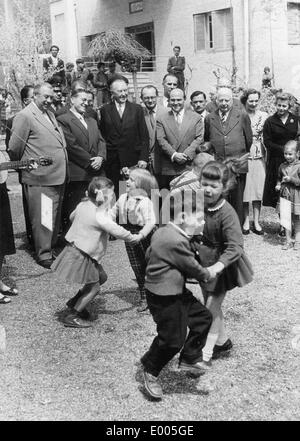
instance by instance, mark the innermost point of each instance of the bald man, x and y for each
(228, 134)
(179, 133)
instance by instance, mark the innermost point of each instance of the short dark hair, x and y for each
(177, 47)
(54, 46)
(197, 93)
(149, 86)
(180, 202)
(25, 91)
(283, 96)
(76, 92)
(78, 85)
(246, 94)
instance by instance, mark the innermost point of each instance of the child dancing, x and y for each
(221, 250)
(289, 187)
(79, 262)
(172, 306)
(134, 210)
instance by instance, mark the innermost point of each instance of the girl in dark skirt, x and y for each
(87, 239)
(135, 211)
(221, 251)
(7, 245)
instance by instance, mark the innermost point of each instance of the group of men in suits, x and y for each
(164, 139)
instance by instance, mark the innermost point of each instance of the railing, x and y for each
(152, 64)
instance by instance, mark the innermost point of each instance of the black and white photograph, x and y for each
(149, 217)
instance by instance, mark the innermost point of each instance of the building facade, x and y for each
(214, 35)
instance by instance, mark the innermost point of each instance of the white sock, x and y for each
(207, 351)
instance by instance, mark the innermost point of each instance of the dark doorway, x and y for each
(144, 34)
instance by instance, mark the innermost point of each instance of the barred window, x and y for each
(213, 30)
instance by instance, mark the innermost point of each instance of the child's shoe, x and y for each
(72, 320)
(221, 349)
(195, 369)
(152, 386)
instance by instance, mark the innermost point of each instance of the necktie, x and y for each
(152, 120)
(177, 119)
(223, 118)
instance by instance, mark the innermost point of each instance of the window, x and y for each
(293, 18)
(213, 30)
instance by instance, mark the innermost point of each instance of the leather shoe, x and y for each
(220, 349)
(152, 386)
(258, 232)
(46, 263)
(195, 369)
(245, 232)
(72, 320)
(142, 306)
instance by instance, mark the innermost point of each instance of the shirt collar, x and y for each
(179, 229)
(181, 113)
(78, 115)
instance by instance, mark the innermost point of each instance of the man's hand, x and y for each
(96, 162)
(142, 164)
(180, 158)
(278, 187)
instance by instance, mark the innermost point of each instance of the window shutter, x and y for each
(293, 19)
(200, 31)
(223, 29)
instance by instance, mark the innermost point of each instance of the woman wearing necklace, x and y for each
(278, 130)
(255, 178)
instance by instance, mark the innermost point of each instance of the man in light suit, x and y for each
(228, 134)
(35, 133)
(86, 151)
(152, 111)
(179, 134)
(176, 66)
(123, 127)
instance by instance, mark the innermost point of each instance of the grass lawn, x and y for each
(50, 372)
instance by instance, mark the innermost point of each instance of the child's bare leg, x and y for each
(256, 214)
(213, 303)
(89, 292)
(297, 233)
(223, 337)
(196, 290)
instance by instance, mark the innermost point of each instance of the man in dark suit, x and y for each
(54, 67)
(152, 111)
(176, 66)
(124, 129)
(228, 134)
(35, 133)
(179, 133)
(86, 151)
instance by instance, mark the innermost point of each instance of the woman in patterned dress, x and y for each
(256, 175)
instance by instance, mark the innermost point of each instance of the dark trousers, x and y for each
(235, 197)
(27, 219)
(112, 169)
(173, 315)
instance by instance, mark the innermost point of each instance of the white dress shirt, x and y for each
(80, 117)
(120, 108)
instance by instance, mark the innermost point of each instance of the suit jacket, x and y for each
(172, 139)
(59, 70)
(82, 145)
(170, 261)
(128, 136)
(33, 136)
(154, 149)
(178, 63)
(231, 141)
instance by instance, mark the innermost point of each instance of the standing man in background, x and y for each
(35, 133)
(54, 67)
(123, 127)
(176, 66)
